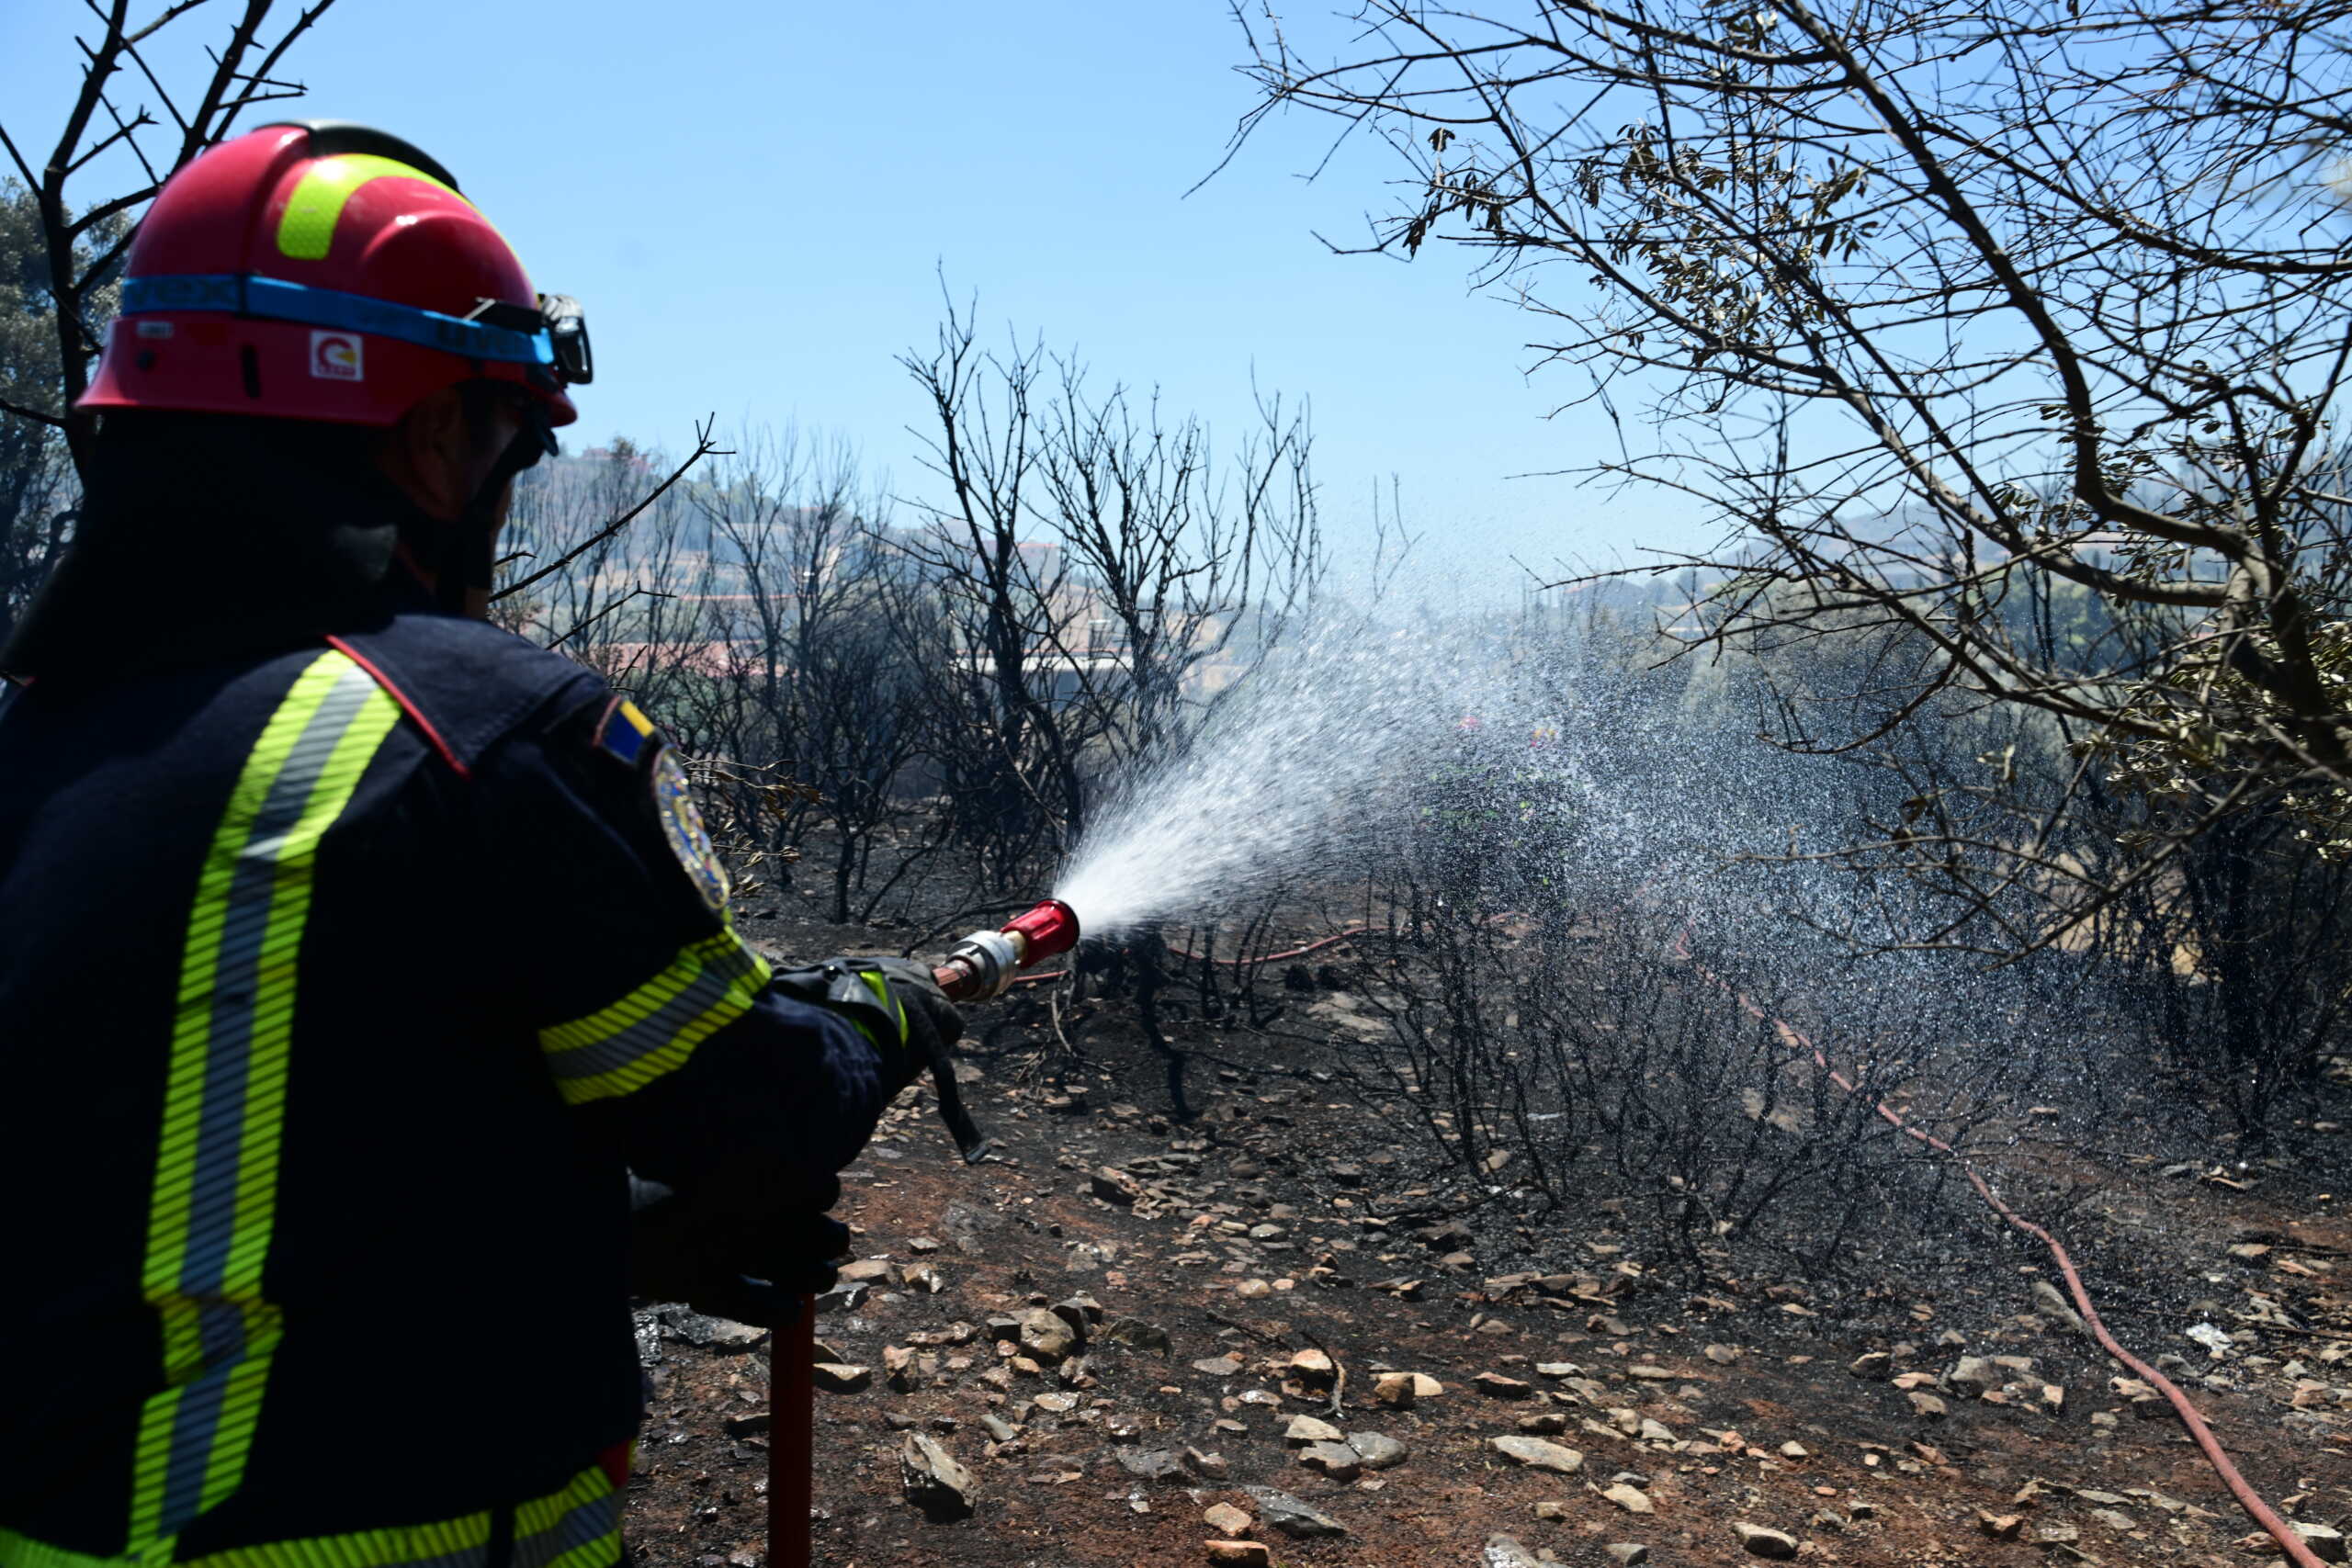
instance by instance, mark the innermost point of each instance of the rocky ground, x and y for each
(1244, 1337)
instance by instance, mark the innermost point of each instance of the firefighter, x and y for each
(370, 1005)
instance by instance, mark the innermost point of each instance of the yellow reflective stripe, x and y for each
(214, 1197)
(306, 230)
(890, 1004)
(576, 1527)
(654, 1029)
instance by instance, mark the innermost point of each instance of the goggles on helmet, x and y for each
(551, 342)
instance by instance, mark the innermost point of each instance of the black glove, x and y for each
(728, 1264)
(918, 1016)
(911, 1021)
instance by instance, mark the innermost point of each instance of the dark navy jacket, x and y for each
(340, 988)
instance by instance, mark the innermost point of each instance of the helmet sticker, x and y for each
(681, 824)
(335, 357)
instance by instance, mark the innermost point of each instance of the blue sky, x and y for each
(756, 203)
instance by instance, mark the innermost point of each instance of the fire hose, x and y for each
(2298, 1551)
(979, 968)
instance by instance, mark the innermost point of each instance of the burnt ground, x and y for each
(1197, 1250)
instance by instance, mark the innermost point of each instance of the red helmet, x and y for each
(326, 271)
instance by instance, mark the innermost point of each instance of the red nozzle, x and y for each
(1049, 929)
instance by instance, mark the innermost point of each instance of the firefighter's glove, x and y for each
(893, 1001)
(736, 1265)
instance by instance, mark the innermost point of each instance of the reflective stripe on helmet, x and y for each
(306, 230)
(274, 299)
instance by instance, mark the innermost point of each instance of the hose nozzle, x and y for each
(982, 966)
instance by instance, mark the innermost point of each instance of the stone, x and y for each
(1538, 1454)
(1045, 1334)
(1632, 1499)
(1552, 1511)
(1292, 1516)
(868, 1272)
(1211, 1467)
(1378, 1450)
(1337, 1460)
(1503, 1552)
(2000, 1527)
(1151, 1465)
(1927, 1407)
(2050, 1302)
(1115, 1186)
(1307, 1429)
(833, 1377)
(1253, 1290)
(933, 1480)
(1497, 1387)
(1239, 1553)
(1392, 1389)
(1136, 1334)
(1226, 1520)
(1628, 1553)
(2326, 1542)
(1766, 1544)
(1871, 1364)
(708, 1333)
(1313, 1369)
(898, 1367)
(1225, 1366)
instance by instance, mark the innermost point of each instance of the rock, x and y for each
(1313, 1369)
(1115, 1186)
(1538, 1454)
(1378, 1450)
(1307, 1429)
(2052, 1303)
(1632, 1499)
(1497, 1387)
(1975, 1373)
(998, 1427)
(1502, 1551)
(1223, 1365)
(1629, 1553)
(1226, 1520)
(1871, 1364)
(1552, 1511)
(868, 1272)
(1253, 1290)
(1045, 1334)
(1927, 1407)
(2325, 1542)
(1151, 1465)
(1543, 1423)
(2000, 1527)
(835, 1377)
(1292, 1516)
(1211, 1467)
(1136, 1334)
(1392, 1389)
(1081, 1313)
(711, 1333)
(843, 1298)
(1762, 1542)
(2116, 1519)
(1794, 1450)
(933, 1481)
(1337, 1460)
(747, 1426)
(1241, 1553)
(898, 1367)
(1721, 1355)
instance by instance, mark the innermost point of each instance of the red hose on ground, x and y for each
(2297, 1549)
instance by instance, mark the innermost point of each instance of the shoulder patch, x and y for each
(674, 803)
(624, 734)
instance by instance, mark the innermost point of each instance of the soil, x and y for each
(1753, 1414)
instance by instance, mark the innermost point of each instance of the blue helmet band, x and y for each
(272, 299)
